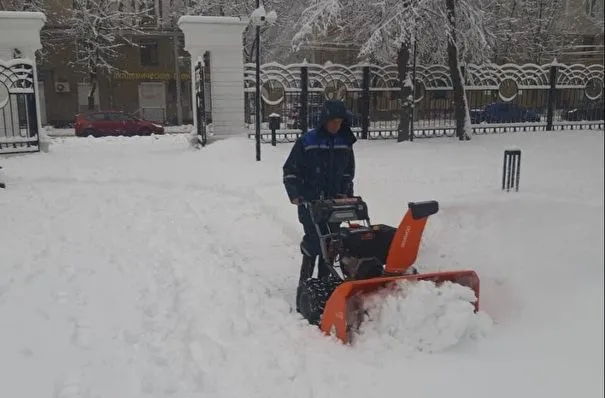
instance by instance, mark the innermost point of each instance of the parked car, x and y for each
(112, 123)
(503, 112)
(586, 111)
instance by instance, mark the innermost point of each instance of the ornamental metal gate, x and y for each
(18, 114)
(203, 103)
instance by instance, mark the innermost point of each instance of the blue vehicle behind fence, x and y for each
(503, 112)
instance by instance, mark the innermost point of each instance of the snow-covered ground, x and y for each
(139, 267)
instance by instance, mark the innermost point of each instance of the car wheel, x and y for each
(145, 132)
(89, 133)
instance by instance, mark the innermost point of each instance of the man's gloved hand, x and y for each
(297, 201)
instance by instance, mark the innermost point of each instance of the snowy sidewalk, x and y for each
(138, 267)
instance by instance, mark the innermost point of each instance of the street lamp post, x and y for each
(259, 18)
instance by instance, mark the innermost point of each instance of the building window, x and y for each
(592, 7)
(149, 53)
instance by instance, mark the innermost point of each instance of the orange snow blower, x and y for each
(369, 258)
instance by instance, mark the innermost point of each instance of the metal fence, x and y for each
(501, 98)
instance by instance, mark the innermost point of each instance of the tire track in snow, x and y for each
(231, 253)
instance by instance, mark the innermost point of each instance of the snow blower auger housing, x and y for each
(369, 258)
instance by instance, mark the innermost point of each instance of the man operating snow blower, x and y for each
(321, 165)
(355, 257)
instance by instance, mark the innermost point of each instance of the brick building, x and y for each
(146, 83)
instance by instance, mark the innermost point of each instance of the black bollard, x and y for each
(274, 125)
(511, 169)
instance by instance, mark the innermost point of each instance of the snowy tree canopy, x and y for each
(527, 30)
(594, 9)
(21, 5)
(380, 28)
(100, 29)
(386, 30)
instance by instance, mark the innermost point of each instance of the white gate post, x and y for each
(222, 38)
(21, 31)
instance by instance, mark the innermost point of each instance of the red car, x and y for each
(107, 123)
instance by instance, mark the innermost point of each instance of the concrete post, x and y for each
(21, 31)
(222, 37)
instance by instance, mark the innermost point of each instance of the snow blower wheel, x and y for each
(369, 258)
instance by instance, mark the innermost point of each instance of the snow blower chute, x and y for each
(369, 258)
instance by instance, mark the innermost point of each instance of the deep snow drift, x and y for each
(139, 267)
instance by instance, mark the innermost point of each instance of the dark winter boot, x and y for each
(306, 268)
(322, 270)
(306, 272)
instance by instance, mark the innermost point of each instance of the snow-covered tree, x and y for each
(387, 29)
(594, 9)
(22, 5)
(384, 29)
(505, 18)
(529, 30)
(100, 30)
(541, 21)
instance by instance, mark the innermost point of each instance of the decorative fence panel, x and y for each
(501, 98)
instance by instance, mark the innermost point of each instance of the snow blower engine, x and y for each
(369, 258)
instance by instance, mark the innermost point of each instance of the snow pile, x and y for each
(420, 316)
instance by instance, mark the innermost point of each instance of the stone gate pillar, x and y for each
(222, 38)
(20, 33)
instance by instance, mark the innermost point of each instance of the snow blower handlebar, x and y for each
(332, 211)
(328, 214)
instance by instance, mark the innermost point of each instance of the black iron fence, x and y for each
(501, 98)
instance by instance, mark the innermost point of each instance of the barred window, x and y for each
(149, 53)
(593, 8)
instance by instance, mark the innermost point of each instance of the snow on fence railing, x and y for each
(501, 98)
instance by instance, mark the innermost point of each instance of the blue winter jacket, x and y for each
(320, 164)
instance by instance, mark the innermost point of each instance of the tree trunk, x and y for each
(509, 39)
(92, 68)
(405, 95)
(91, 93)
(461, 112)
